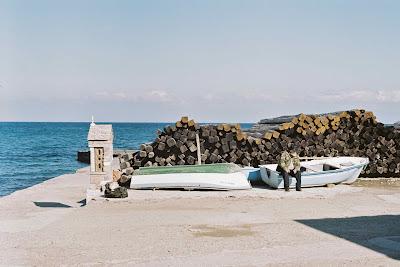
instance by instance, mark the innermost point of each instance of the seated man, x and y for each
(289, 164)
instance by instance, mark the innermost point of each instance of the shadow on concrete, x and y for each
(82, 202)
(379, 233)
(262, 186)
(51, 205)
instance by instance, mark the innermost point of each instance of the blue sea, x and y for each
(32, 152)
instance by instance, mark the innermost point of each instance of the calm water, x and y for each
(36, 151)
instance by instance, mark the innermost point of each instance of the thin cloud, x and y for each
(247, 95)
(364, 96)
(102, 94)
(157, 96)
(152, 96)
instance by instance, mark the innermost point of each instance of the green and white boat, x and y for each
(221, 176)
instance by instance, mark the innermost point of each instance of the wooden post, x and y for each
(198, 149)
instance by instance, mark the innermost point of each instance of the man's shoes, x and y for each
(287, 189)
(298, 189)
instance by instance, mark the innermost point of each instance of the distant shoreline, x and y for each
(119, 122)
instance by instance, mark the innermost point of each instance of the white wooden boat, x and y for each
(318, 172)
(208, 176)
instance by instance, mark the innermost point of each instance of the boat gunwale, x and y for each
(189, 166)
(165, 169)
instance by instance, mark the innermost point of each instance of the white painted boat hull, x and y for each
(344, 174)
(192, 181)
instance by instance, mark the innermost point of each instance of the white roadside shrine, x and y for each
(100, 141)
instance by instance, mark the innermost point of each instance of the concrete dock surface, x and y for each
(50, 225)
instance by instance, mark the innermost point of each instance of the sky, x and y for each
(218, 61)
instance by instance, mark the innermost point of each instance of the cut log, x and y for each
(184, 120)
(171, 142)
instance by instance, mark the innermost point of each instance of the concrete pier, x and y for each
(49, 225)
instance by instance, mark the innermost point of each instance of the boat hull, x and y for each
(252, 174)
(343, 175)
(192, 181)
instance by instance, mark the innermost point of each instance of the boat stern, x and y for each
(270, 176)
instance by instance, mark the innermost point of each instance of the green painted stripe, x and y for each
(206, 168)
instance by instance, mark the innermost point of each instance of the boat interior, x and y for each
(312, 167)
(318, 168)
(321, 167)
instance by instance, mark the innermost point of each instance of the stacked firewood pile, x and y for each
(397, 125)
(179, 145)
(347, 133)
